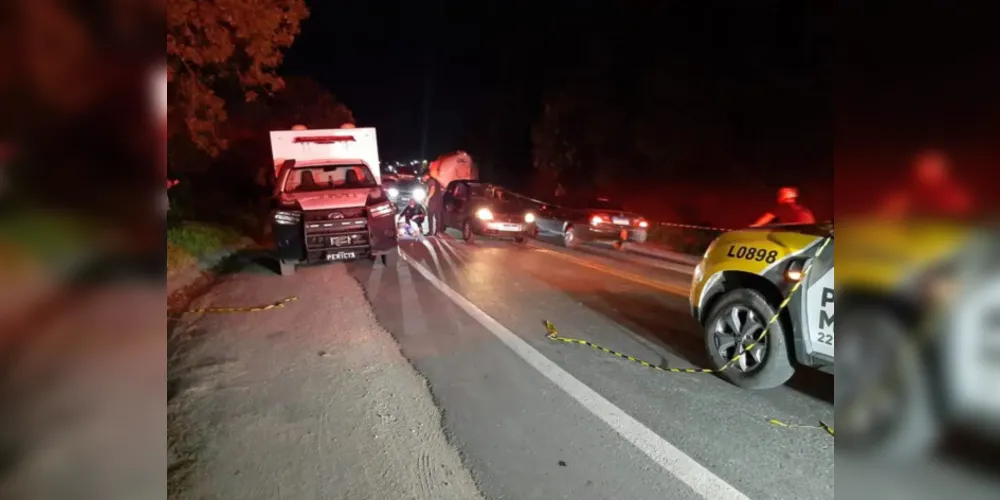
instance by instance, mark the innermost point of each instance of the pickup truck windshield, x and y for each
(325, 177)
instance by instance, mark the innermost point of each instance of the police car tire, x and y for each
(915, 429)
(286, 268)
(777, 367)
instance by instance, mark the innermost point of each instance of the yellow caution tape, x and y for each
(553, 334)
(276, 305)
(822, 425)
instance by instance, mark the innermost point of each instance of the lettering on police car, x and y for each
(753, 253)
(825, 327)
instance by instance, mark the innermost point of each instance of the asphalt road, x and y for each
(533, 418)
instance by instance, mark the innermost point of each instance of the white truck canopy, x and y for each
(326, 146)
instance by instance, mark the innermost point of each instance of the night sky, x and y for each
(783, 90)
(480, 67)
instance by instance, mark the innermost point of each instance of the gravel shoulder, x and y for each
(313, 400)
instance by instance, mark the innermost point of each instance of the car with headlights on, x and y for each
(404, 186)
(582, 218)
(483, 209)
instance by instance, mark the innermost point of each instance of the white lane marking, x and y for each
(434, 256)
(413, 318)
(455, 269)
(666, 455)
(460, 255)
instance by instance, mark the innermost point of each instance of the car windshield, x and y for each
(324, 177)
(406, 171)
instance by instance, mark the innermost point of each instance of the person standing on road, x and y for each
(435, 203)
(787, 211)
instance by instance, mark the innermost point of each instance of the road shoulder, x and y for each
(313, 400)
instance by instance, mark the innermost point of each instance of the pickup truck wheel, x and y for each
(467, 233)
(569, 238)
(731, 330)
(286, 268)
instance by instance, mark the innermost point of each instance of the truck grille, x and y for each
(342, 230)
(328, 215)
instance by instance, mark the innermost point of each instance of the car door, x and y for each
(448, 205)
(568, 214)
(818, 302)
(461, 211)
(453, 202)
(551, 218)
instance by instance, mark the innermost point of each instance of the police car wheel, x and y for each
(885, 405)
(733, 326)
(286, 268)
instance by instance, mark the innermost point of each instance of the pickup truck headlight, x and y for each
(381, 210)
(484, 214)
(287, 217)
(419, 194)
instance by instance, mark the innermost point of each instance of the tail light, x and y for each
(643, 224)
(598, 220)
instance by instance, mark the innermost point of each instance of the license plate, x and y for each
(509, 227)
(621, 221)
(340, 256)
(340, 241)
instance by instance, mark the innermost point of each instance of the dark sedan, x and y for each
(581, 219)
(478, 208)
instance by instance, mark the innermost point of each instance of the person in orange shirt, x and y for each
(787, 211)
(932, 191)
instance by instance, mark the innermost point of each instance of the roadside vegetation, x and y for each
(189, 242)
